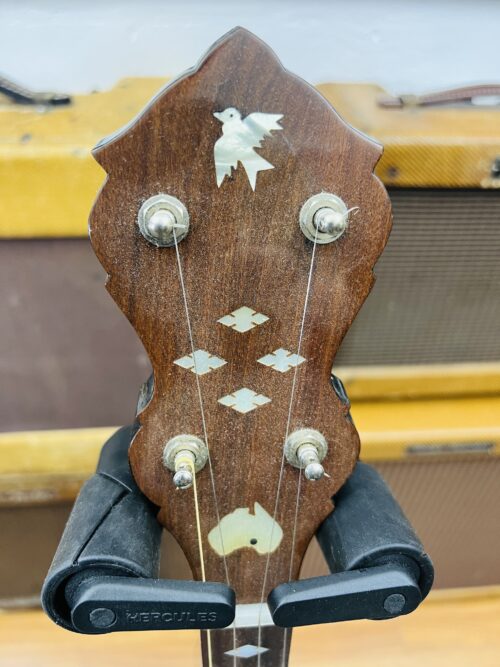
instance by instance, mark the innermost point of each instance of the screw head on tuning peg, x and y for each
(163, 220)
(305, 449)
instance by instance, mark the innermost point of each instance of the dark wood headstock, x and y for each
(244, 248)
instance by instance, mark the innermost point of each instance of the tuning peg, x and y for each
(324, 218)
(305, 449)
(163, 220)
(185, 455)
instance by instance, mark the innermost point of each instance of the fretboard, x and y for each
(241, 647)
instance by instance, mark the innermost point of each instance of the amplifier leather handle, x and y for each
(464, 94)
(21, 95)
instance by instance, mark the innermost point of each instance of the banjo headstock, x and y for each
(215, 226)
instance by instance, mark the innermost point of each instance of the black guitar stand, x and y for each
(104, 576)
(378, 565)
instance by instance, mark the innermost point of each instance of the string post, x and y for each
(305, 449)
(185, 455)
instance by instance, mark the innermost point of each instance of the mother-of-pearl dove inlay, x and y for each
(239, 139)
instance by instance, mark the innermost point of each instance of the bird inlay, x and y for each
(239, 139)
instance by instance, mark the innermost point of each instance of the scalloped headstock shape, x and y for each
(244, 249)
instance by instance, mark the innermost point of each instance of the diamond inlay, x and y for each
(281, 360)
(202, 362)
(244, 400)
(243, 319)
(247, 651)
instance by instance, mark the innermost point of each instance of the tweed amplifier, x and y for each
(436, 298)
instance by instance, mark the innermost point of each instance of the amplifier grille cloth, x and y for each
(437, 294)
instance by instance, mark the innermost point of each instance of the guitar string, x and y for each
(205, 434)
(282, 467)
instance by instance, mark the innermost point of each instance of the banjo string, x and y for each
(282, 466)
(209, 459)
(292, 551)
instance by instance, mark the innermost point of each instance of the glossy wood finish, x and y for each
(244, 248)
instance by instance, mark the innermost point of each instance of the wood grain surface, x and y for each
(244, 248)
(448, 629)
